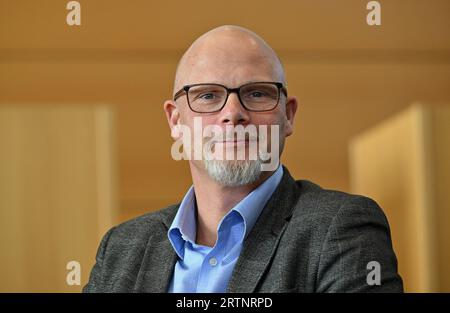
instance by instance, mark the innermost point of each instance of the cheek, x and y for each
(197, 123)
(187, 117)
(267, 118)
(270, 120)
(275, 119)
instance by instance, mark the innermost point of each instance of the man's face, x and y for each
(232, 61)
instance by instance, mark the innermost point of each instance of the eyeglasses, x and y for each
(255, 96)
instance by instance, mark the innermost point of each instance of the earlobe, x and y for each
(172, 114)
(288, 129)
(291, 109)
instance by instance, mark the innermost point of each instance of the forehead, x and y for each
(227, 60)
(230, 72)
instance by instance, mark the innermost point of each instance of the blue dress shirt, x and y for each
(208, 269)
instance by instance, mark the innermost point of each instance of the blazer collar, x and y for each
(159, 258)
(266, 234)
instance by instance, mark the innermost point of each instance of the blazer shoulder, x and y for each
(140, 227)
(315, 200)
(122, 249)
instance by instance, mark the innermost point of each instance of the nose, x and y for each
(234, 113)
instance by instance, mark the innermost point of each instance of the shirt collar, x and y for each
(184, 225)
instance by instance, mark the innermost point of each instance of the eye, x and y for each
(256, 94)
(207, 96)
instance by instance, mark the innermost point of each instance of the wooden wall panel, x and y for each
(441, 150)
(400, 163)
(57, 192)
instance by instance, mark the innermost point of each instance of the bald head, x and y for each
(229, 55)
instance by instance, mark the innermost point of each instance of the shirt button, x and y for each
(213, 261)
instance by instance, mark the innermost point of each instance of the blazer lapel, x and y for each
(159, 258)
(262, 241)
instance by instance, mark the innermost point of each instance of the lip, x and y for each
(235, 141)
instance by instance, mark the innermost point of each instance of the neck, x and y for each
(214, 201)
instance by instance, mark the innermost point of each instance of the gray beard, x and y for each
(233, 173)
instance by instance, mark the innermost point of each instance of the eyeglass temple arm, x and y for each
(178, 94)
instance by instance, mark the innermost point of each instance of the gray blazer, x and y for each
(307, 239)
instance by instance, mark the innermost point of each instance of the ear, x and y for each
(291, 109)
(172, 115)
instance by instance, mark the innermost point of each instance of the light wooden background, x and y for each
(404, 163)
(58, 193)
(347, 75)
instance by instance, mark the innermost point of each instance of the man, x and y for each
(241, 228)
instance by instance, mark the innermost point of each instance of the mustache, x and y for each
(230, 137)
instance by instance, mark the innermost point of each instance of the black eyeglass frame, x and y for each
(237, 90)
